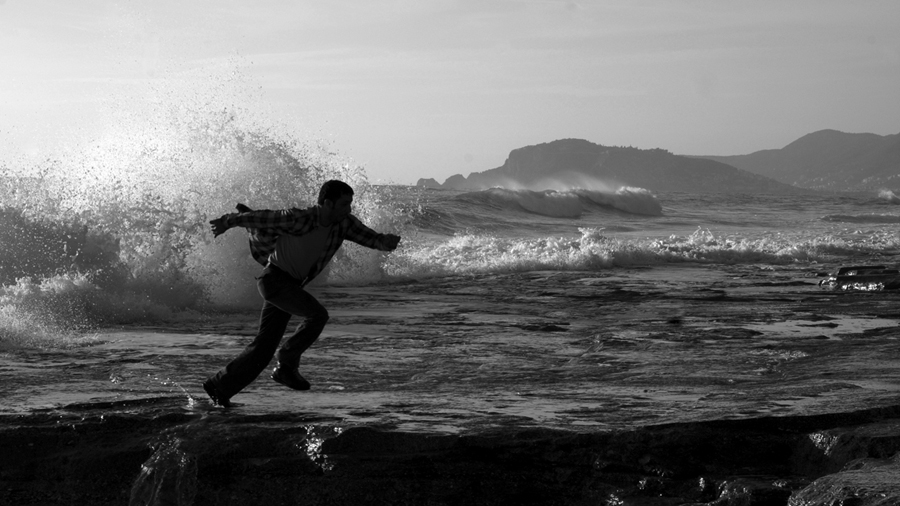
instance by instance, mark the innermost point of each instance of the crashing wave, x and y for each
(568, 203)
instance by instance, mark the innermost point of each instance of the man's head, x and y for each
(333, 190)
(335, 201)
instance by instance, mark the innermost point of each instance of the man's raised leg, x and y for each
(297, 301)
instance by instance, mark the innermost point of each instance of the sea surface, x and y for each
(568, 309)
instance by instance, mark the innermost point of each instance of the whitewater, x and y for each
(156, 259)
(127, 241)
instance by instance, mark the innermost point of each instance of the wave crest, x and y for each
(889, 196)
(568, 203)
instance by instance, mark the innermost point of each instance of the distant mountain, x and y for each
(828, 160)
(576, 162)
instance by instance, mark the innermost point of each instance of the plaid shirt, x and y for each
(266, 226)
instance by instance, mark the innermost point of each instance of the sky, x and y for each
(431, 88)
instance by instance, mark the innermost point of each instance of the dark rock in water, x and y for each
(222, 457)
(428, 183)
(457, 181)
(863, 278)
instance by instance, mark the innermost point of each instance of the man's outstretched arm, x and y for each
(365, 236)
(282, 221)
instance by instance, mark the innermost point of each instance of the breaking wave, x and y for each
(597, 250)
(889, 196)
(568, 204)
(115, 229)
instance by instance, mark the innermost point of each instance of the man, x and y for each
(294, 245)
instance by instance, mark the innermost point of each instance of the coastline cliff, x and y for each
(580, 163)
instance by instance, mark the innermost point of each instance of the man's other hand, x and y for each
(218, 226)
(391, 241)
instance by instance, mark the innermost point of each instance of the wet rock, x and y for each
(752, 491)
(86, 461)
(211, 459)
(865, 482)
(831, 449)
(168, 477)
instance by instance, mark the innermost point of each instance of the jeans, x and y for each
(284, 296)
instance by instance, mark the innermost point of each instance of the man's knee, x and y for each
(320, 317)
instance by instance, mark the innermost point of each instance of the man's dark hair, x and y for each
(333, 190)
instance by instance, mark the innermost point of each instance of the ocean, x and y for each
(585, 310)
(84, 253)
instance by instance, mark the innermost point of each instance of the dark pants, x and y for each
(284, 296)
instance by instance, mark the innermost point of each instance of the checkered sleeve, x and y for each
(363, 235)
(276, 221)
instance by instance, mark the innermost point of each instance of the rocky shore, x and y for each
(221, 458)
(715, 387)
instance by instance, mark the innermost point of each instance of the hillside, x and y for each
(828, 160)
(576, 162)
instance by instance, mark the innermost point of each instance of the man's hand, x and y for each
(218, 225)
(391, 241)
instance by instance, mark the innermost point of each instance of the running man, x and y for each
(293, 245)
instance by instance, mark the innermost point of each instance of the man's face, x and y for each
(340, 208)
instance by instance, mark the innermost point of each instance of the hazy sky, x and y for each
(422, 88)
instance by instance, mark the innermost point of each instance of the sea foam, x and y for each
(595, 250)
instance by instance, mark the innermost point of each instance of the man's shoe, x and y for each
(213, 392)
(290, 378)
